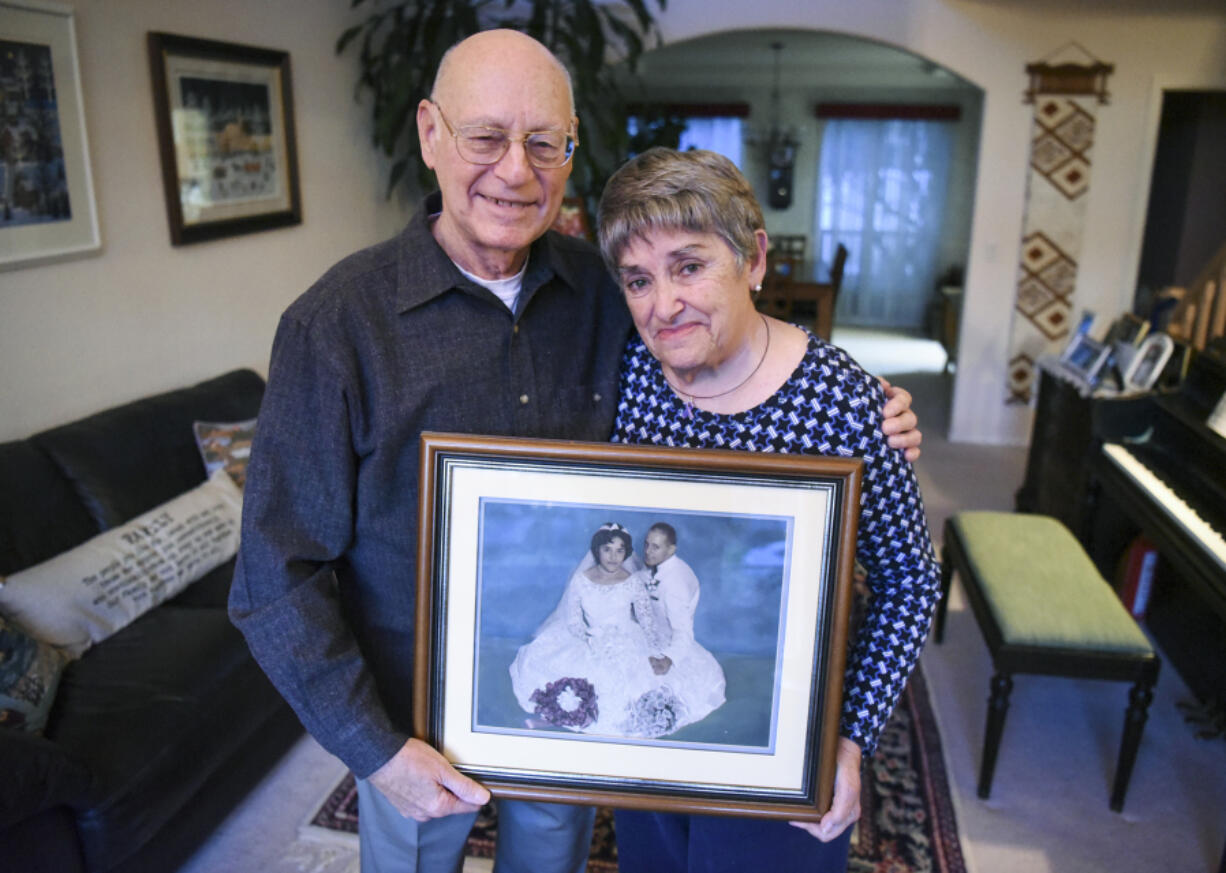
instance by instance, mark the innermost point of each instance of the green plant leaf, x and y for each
(347, 37)
(398, 170)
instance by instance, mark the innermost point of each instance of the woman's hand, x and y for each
(899, 423)
(845, 806)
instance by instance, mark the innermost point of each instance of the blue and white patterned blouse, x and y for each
(828, 406)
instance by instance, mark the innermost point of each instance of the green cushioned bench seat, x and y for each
(1042, 587)
(1042, 607)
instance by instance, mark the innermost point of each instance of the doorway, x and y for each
(779, 80)
(1185, 221)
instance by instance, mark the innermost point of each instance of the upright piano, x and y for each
(1160, 468)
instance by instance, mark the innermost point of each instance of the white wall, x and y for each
(144, 316)
(990, 44)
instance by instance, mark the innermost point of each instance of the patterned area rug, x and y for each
(907, 823)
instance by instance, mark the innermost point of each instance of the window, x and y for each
(721, 135)
(881, 192)
(718, 128)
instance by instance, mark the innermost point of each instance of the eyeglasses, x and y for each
(546, 149)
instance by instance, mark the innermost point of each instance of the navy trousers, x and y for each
(655, 842)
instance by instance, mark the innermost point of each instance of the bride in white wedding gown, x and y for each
(590, 666)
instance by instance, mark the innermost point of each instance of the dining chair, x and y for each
(836, 270)
(776, 296)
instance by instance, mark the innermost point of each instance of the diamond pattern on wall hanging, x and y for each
(1065, 98)
(1021, 374)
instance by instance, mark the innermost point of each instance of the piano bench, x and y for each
(1044, 609)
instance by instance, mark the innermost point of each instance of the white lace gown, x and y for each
(595, 639)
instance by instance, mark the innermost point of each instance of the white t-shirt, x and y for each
(507, 290)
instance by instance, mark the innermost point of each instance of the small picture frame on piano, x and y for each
(1147, 364)
(1084, 357)
(1129, 329)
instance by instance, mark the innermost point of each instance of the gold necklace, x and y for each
(688, 412)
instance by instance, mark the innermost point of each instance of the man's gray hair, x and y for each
(664, 189)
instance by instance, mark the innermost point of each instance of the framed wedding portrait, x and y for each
(638, 626)
(47, 206)
(225, 127)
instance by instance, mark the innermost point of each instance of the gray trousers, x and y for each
(532, 837)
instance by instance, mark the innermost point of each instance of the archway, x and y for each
(777, 83)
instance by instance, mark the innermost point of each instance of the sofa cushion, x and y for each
(127, 460)
(212, 590)
(86, 594)
(38, 775)
(29, 674)
(40, 514)
(155, 712)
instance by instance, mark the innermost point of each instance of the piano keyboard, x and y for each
(1170, 502)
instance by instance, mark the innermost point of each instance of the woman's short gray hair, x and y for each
(665, 189)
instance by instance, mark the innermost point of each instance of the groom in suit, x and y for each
(674, 592)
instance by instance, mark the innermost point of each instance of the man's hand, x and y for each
(660, 665)
(845, 806)
(899, 423)
(422, 785)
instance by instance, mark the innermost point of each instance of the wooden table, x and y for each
(812, 285)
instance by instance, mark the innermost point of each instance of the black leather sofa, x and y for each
(158, 731)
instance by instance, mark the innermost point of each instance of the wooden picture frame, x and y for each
(572, 219)
(1133, 328)
(504, 524)
(47, 207)
(225, 126)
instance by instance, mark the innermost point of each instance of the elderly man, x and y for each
(473, 320)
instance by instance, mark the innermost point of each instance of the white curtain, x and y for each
(881, 192)
(721, 135)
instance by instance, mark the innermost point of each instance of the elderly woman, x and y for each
(684, 234)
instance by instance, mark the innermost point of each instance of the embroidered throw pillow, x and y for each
(29, 674)
(225, 445)
(86, 594)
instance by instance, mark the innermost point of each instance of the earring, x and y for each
(756, 290)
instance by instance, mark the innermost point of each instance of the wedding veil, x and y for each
(633, 564)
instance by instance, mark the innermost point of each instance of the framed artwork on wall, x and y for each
(47, 207)
(572, 219)
(225, 126)
(537, 671)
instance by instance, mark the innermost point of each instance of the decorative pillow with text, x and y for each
(225, 445)
(84, 595)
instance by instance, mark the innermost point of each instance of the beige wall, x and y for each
(989, 42)
(144, 316)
